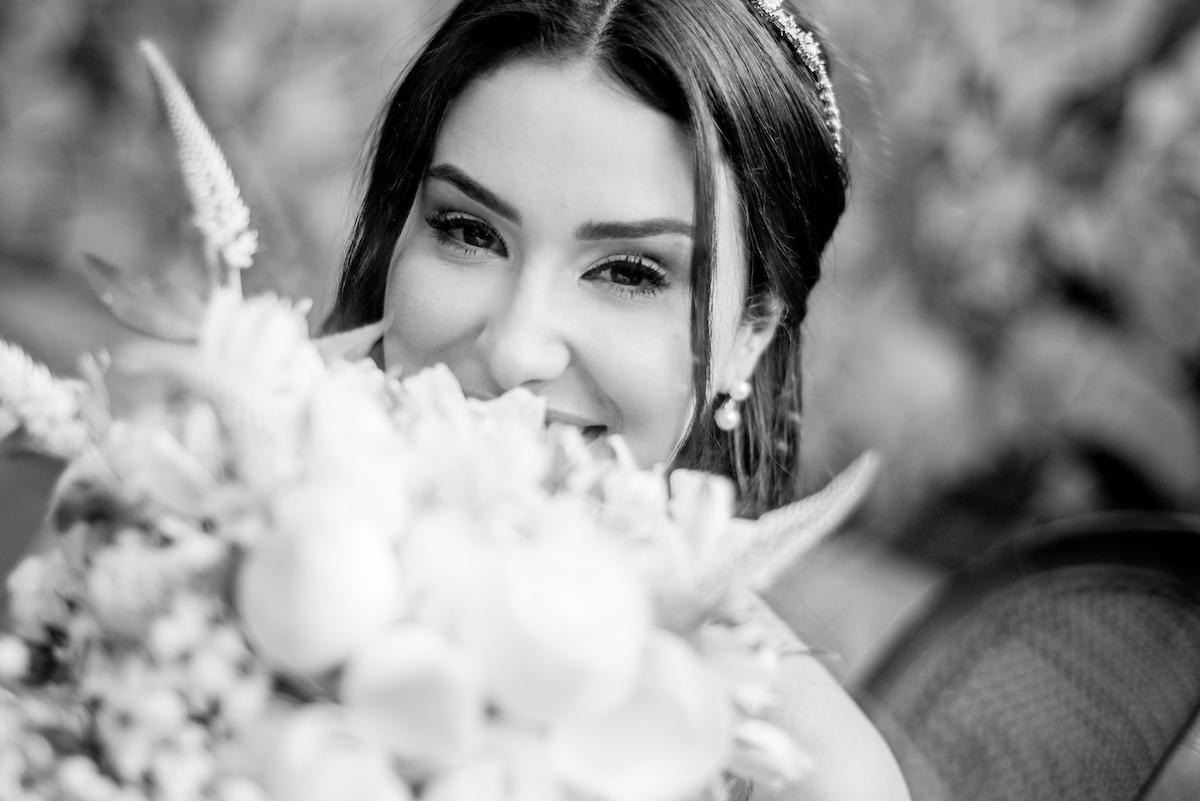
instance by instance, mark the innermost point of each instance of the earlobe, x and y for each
(751, 341)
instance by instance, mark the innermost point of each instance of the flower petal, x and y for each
(319, 755)
(318, 586)
(417, 693)
(765, 754)
(668, 741)
(560, 628)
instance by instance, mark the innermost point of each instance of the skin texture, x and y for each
(511, 272)
(851, 760)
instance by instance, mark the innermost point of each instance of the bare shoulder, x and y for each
(851, 760)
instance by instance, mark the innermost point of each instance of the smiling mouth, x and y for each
(589, 429)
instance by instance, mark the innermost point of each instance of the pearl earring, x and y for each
(729, 416)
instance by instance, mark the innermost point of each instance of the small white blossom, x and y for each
(219, 211)
(40, 590)
(14, 658)
(45, 407)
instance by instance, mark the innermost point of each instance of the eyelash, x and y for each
(645, 268)
(443, 222)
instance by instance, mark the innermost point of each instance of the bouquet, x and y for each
(272, 570)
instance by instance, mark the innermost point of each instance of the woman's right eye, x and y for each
(469, 235)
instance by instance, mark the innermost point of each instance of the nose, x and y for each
(522, 341)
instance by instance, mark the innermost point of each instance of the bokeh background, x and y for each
(1010, 314)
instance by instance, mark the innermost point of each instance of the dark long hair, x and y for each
(743, 97)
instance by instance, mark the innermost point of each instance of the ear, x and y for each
(749, 343)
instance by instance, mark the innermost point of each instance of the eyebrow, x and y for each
(475, 190)
(589, 231)
(633, 230)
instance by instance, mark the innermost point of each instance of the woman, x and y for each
(621, 205)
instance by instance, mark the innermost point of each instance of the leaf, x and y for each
(783, 536)
(162, 308)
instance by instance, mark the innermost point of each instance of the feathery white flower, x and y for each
(47, 408)
(220, 213)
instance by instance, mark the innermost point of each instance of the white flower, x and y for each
(245, 702)
(487, 461)
(513, 767)
(702, 505)
(47, 408)
(131, 582)
(446, 555)
(686, 551)
(767, 755)
(128, 727)
(320, 584)
(741, 656)
(14, 659)
(183, 766)
(418, 693)
(352, 440)
(80, 779)
(128, 585)
(257, 367)
(181, 627)
(434, 393)
(263, 340)
(517, 410)
(320, 753)
(238, 788)
(635, 502)
(210, 676)
(139, 463)
(559, 627)
(667, 741)
(220, 214)
(38, 592)
(199, 432)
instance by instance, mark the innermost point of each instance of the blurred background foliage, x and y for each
(1011, 312)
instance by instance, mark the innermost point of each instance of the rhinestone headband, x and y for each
(805, 45)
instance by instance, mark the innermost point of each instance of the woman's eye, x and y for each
(470, 235)
(631, 275)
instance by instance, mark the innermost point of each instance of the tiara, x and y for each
(805, 45)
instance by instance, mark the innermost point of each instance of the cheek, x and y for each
(652, 386)
(431, 311)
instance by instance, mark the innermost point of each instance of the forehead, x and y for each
(562, 136)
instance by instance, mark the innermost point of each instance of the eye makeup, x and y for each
(465, 233)
(632, 275)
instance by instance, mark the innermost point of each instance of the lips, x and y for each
(589, 429)
(556, 416)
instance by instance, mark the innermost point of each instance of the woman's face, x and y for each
(550, 247)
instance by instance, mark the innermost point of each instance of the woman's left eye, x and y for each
(632, 275)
